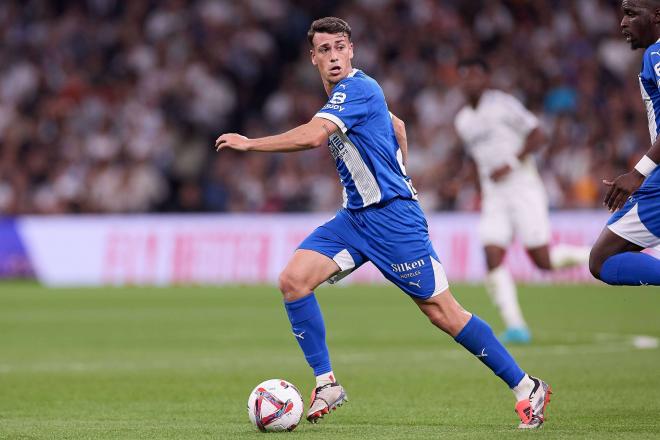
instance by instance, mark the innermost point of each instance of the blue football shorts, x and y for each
(638, 221)
(393, 236)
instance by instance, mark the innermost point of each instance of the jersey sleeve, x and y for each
(651, 65)
(517, 116)
(650, 85)
(346, 107)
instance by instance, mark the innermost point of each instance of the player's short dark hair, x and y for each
(328, 25)
(472, 62)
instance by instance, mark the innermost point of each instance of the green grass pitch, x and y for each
(179, 363)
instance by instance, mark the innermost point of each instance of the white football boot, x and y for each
(532, 410)
(324, 399)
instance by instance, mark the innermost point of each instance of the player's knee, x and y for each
(292, 286)
(286, 283)
(596, 261)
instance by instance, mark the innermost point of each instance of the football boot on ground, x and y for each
(324, 399)
(532, 410)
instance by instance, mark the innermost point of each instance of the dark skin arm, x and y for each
(623, 186)
(533, 142)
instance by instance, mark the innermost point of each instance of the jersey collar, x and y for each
(350, 75)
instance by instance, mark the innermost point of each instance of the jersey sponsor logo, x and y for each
(656, 67)
(337, 107)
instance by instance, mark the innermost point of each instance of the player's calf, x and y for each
(444, 312)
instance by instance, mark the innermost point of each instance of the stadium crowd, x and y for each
(113, 106)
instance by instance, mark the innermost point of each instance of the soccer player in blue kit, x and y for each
(634, 197)
(380, 222)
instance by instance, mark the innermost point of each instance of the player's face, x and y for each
(639, 23)
(473, 80)
(332, 55)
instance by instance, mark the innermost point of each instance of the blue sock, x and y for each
(309, 329)
(631, 269)
(479, 339)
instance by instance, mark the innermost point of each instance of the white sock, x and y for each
(566, 255)
(523, 389)
(325, 379)
(502, 290)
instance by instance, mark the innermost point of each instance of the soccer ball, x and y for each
(275, 405)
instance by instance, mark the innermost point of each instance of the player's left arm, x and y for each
(623, 186)
(533, 142)
(401, 137)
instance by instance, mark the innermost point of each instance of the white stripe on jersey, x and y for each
(332, 118)
(650, 112)
(365, 182)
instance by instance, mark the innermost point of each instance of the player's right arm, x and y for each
(311, 135)
(623, 186)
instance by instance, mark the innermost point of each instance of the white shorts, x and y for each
(627, 224)
(522, 213)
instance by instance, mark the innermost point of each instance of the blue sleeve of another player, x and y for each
(347, 106)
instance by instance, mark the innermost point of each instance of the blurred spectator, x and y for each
(113, 106)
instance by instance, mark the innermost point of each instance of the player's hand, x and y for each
(232, 140)
(500, 173)
(621, 188)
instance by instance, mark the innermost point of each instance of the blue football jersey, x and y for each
(365, 149)
(649, 83)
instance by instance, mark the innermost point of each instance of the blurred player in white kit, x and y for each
(500, 135)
